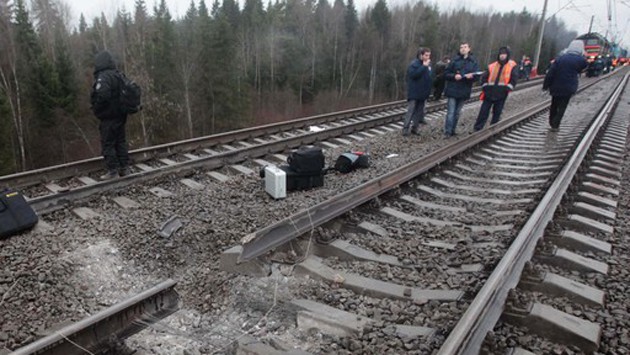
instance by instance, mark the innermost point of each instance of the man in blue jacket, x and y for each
(418, 90)
(459, 75)
(562, 81)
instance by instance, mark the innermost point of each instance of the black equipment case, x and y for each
(302, 181)
(307, 160)
(16, 215)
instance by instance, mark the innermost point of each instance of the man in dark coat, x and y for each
(418, 90)
(459, 75)
(439, 82)
(105, 99)
(562, 81)
(498, 81)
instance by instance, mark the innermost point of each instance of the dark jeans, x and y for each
(414, 115)
(556, 111)
(453, 109)
(484, 112)
(114, 143)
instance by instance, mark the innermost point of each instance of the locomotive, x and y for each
(595, 45)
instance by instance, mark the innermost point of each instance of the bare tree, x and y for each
(9, 82)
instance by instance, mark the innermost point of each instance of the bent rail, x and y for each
(120, 321)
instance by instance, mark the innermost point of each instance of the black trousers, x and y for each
(114, 143)
(484, 112)
(438, 88)
(556, 111)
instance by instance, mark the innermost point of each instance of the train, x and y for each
(596, 45)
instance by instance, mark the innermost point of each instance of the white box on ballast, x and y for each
(275, 182)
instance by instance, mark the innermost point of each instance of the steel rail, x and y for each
(36, 176)
(117, 322)
(483, 313)
(281, 232)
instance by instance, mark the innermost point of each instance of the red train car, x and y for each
(595, 45)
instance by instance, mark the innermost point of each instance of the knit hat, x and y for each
(504, 50)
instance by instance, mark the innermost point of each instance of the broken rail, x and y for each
(120, 321)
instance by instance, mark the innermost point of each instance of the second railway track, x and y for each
(53, 187)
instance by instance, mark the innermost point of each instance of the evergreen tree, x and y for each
(227, 93)
(82, 24)
(7, 158)
(351, 20)
(40, 81)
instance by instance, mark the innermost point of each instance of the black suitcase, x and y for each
(16, 215)
(301, 181)
(307, 160)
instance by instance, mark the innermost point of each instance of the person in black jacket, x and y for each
(105, 99)
(439, 82)
(562, 81)
(418, 90)
(498, 81)
(459, 75)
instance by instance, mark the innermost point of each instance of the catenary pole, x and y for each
(540, 38)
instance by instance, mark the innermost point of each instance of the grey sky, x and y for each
(575, 13)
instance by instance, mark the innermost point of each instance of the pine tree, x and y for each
(187, 63)
(7, 158)
(82, 24)
(41, 85)
(351, 20)
(227, 91)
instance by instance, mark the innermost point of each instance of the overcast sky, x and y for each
(575, 13)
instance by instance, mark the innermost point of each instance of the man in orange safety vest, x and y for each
(498, 81)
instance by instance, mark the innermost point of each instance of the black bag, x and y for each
(300, 181)
(16, 215)
(347, 162)
(130, 95)
(307, 160)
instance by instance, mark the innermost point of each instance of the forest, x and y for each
(224, 65)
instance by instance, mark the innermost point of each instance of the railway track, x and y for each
(466, 227)
(52, 188)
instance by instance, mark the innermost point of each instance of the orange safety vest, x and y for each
(506, 75)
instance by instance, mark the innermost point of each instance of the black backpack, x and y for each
(350, 161)
(130, 95)
(16, 215)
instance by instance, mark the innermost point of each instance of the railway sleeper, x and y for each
(556, 325)
(336, 322)
(313, 267)
(579, 242)
(564, 258)
(247, 345)
(561, 286)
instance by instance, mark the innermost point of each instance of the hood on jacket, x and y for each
(103, 61)
(504, 50)
(575, 47)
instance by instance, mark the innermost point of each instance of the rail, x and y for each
(95, 333)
